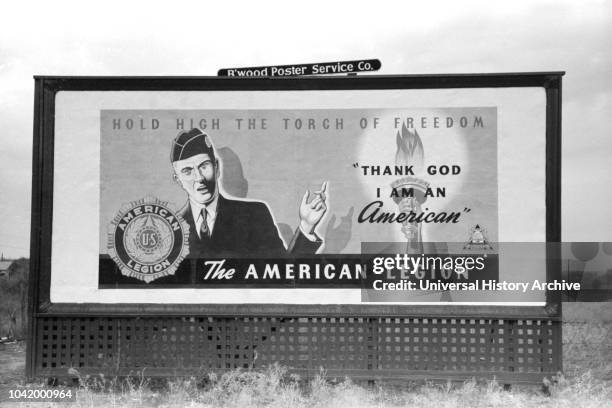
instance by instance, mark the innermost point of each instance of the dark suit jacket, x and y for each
(243, 228)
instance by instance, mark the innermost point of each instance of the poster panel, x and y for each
(289, 196)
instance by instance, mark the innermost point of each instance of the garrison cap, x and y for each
(190, 143)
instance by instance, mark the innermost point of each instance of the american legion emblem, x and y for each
(147, 240)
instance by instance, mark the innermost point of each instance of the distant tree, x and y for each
(14, 299)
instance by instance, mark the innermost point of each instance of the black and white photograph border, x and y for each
(194, 39)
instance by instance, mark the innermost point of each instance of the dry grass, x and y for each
(587, 383)
(275, 388)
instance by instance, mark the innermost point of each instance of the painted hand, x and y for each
(312, 212)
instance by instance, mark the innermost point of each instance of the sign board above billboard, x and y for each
(320, 68)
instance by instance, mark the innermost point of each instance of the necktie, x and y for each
(204, 231)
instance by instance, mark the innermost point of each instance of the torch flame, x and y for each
(409, 149)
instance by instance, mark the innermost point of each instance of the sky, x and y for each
(198, 38)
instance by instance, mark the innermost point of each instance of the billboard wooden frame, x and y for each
(46, 88)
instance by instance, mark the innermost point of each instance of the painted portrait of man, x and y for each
(223, 226)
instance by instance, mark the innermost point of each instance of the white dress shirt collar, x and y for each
(211, 210)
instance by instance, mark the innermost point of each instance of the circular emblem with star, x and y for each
(147, 240)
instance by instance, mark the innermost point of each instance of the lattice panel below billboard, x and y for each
(365, 347)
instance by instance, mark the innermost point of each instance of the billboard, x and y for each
(288, 196)
(359, 217)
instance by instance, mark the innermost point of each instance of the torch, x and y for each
(410, 192)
